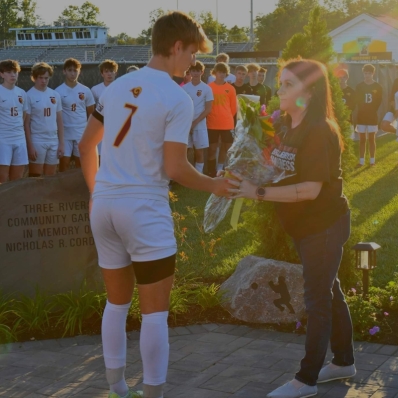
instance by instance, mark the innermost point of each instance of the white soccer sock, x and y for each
(154, 346)
(362, 161)
(199, 167)
(372, 161)
(220, 166)
(115, 345)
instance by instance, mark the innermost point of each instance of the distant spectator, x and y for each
(261, 75)
(187, 78)
(256, 87)
(230, 78)
(220, 121)
(240, 86)
(132, 68)
(369, 95)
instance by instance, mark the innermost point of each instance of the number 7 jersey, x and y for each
(140, 111)
(13, 103)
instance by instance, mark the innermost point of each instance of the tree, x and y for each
(313, 43)
(85, 15)
(212, 26)
(145, 36)
(237, 34)
(124, 39)
(27, 12)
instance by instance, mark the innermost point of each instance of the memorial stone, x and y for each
(46, 239)
(265, 291)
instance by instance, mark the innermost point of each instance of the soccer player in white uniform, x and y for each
(143, 120)
(108, 69)
(202, 98)
(13, 106)
(44, 129)
(77, 105)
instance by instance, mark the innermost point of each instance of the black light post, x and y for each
(365, 260)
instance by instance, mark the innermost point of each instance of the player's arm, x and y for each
(208, 105)
(89, 110)
(60, 131)
(180, 170)
(92, 136)
(28, 135)
(233, 101)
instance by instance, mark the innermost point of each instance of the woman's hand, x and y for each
(243, 188)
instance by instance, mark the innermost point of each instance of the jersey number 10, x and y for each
(126, 126)
(47, 112)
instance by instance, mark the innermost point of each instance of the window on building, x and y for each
(28, 36)
(68, 35)
(39, 36)
(21, 36)
(87, 35)
(47, 36)
(79, 35)
(59, 36)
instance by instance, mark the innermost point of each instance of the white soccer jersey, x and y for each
(97, 91)
(200, 94)
(141, 111)
(42, 108)
(74, 103)
(13, 103)
(229, 79)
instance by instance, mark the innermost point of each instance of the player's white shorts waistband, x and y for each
(46, 152)
(131, 229)
(199, 139)
(366, 128)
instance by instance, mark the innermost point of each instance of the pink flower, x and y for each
(298, 325)
(276, 114)
(386, 314)
(353, 290)
(391, 298)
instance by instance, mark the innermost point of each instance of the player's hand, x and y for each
(222, 186)
(32, 154)
(243, 189)
(60, 151)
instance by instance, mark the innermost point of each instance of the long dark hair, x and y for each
(314, 76)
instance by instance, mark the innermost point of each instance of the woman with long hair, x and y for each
(314, 212)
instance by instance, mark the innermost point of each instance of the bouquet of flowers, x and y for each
(249, 155)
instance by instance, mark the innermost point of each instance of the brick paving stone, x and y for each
(206, 361)
(388, 350)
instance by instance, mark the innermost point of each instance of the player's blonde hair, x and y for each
(9, 65)
(221, 67)
(108, 64)
(222, 57)
(253, 67)
(72, 63)
(41, 68)
(178, 26)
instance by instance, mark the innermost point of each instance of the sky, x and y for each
(132, 16)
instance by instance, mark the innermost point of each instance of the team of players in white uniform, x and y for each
(43, 126)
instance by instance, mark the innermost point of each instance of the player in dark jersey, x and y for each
(262, 73)
(240, 86)
(256, 87)
(368, 98)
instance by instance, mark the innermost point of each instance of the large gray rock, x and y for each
(265, 291)
(45, 235)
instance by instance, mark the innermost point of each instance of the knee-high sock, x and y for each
(115, 345)
(154, 345)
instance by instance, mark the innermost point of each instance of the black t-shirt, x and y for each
(313, 154)
(268, 94)
(260, 90)
(368, 98)
(244, 89)
(349, 100)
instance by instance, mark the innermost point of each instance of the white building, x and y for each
(367, 38)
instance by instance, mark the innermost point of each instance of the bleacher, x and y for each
(136, 53)
(23, 55)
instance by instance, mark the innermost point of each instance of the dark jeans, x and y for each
(328, 314)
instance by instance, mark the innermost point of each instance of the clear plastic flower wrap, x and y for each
(249, 155)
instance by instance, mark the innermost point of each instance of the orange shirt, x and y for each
(223, 109)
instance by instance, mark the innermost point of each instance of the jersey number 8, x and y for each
(126, 126)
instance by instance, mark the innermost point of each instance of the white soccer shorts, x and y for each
(14, 154)
(71, 148)
(130, 229)
(366, 128)
(46, 153)
(199, 139)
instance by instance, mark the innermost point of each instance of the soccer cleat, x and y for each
(130, 394)
(289, 391)
(330, 372)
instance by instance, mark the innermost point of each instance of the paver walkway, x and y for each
(206, 361)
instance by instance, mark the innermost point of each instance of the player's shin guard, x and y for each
(154, 345)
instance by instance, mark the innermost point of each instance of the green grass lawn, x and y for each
(372, 192)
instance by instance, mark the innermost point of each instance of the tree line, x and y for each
(272, 30)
